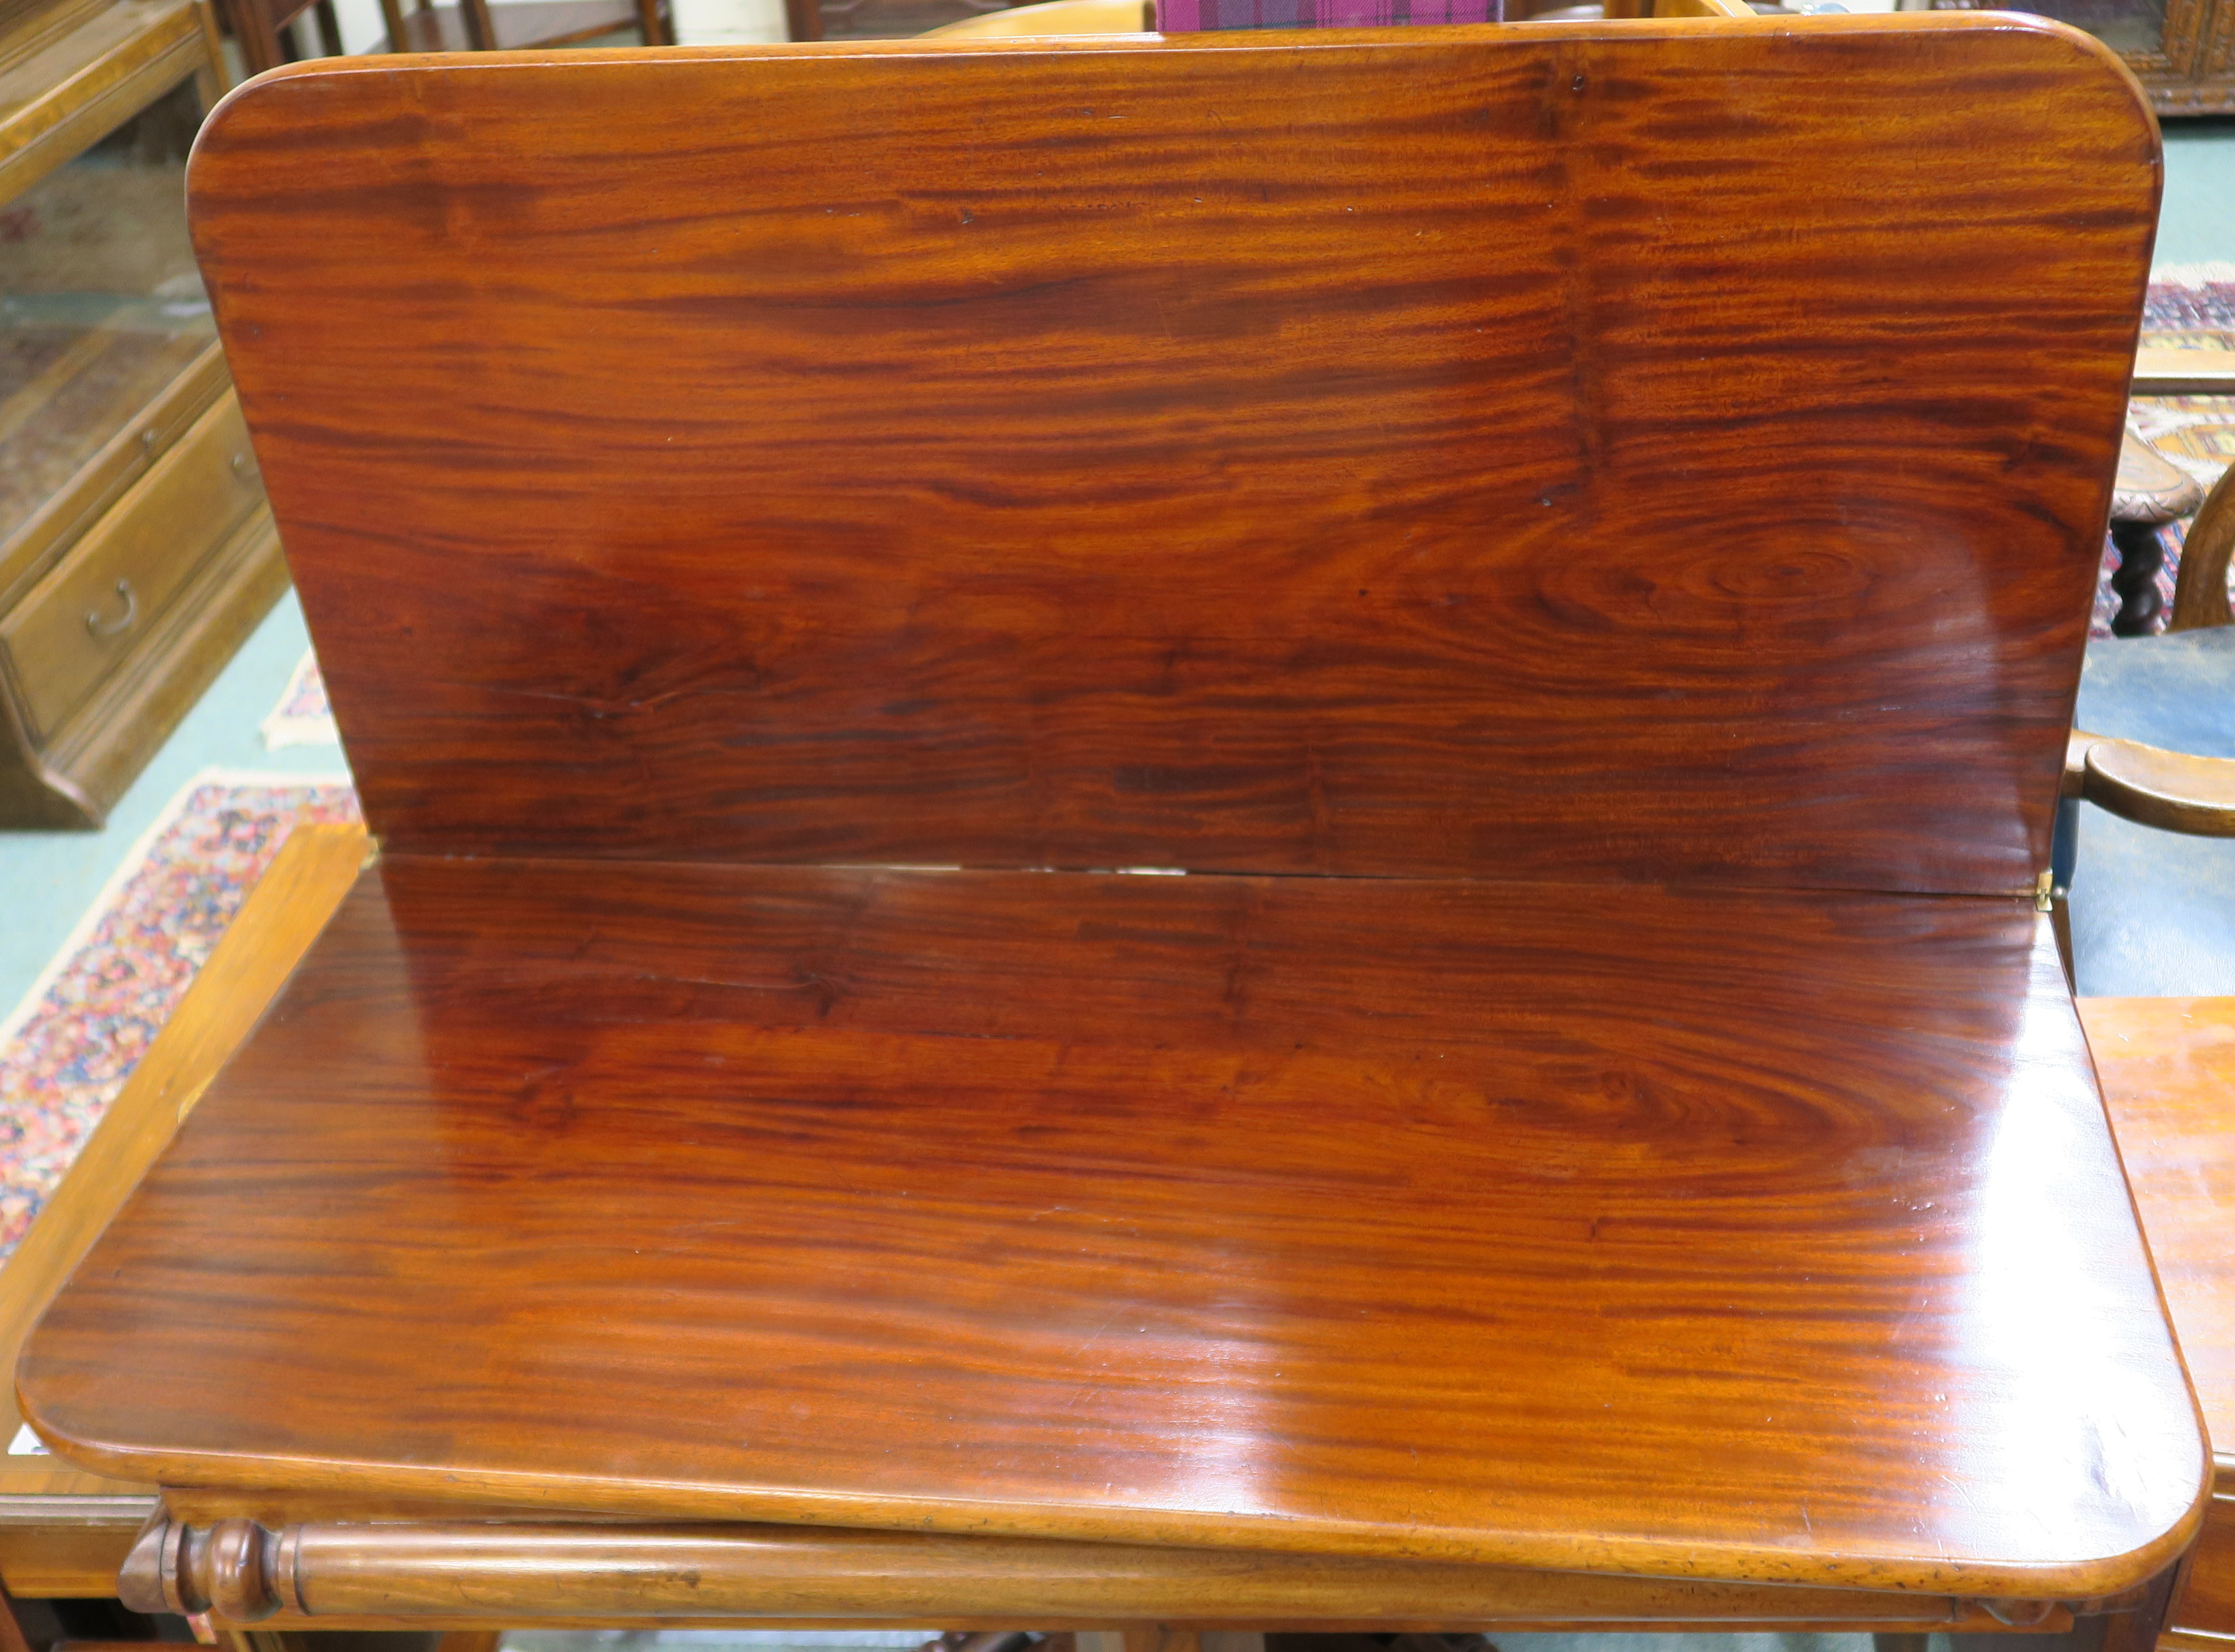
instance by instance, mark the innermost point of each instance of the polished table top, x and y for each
(1593, 605)
(1709, 1234)
(2168, 1073)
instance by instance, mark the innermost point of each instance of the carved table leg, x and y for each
(2141, 558)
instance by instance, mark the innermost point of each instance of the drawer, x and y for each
(2205, 1605)
(81, 620)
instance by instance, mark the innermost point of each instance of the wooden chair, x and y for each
(2152, 914)
(2152, 492)
(263, 28)
(475, 25)
(1051, 18)
(1594, 1132)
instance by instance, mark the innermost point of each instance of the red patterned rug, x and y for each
(70, 1046)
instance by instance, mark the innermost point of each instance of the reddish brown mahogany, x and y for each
(1650, 449)
(1521, 496)
(1723, 1235)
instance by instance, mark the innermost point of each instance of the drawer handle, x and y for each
(101, 627)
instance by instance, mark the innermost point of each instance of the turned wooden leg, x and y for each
(2141, 557)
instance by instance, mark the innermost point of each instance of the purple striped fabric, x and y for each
(1192, 17)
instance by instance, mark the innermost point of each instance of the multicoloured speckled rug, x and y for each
(302, 716)
(69, 1047)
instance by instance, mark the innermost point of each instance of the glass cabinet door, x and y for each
(101, 307)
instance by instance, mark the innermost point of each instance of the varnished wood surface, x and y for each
(1720, 1235)
(2199, 597)
(2167, 1066)
(72, 91)
(2203, 1614)
(526, 1573)
(2172, 791)
(2183, 372)
(1535, 475)
(64, 1532)
(196, 555)
(540, 23)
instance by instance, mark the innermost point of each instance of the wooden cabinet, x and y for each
(2182, 50)
(136, 550)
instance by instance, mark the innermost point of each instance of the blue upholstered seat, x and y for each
(2154, 912)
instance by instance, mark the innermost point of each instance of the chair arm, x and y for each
(2199, 596)
(2168, 789)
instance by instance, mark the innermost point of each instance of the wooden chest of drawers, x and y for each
(136, 550)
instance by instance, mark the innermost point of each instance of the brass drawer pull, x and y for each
(100, 628)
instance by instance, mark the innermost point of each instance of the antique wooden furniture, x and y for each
(136, 550)
(2182, 50)
(64, 1532)
(2168, 1072)
(2152, 492)
(1125, 16)
(1051, 17)
(2152, 748)
(1595, 1130)
(837, 20)
(475, 25)
(260, 26)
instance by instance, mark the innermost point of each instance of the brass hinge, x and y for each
(2044, 887)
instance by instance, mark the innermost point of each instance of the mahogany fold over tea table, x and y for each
(1598, 1134)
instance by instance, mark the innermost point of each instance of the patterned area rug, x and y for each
(2191, 308)
(302, 717)
(70, 1046)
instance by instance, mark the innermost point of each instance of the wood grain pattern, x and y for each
(97, 605)
(134, 526)
(1721, 1234)
(527, 1574)
(2199, 597)
(2204, 1611)
(65, 1549)
(2168, 1074)
(2167, 1066)
(1535, 474)
(59, 100)
(2172, 791)
(63, 1531)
